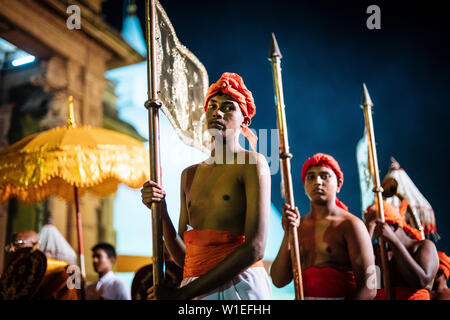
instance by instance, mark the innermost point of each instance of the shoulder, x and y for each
(352, 224)
(119, 285)
(351, 219)
(187, 169)
(305, 218)
(426, 246)
(256, 161)
(256, 170)
(117, 290)
(258, 158)
(426, 254)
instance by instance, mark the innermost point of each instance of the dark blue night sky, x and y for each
(328, 52)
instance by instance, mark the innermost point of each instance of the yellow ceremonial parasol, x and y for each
(69, 161)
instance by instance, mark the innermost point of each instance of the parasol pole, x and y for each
(285, 157)
(80, 244)
(153, 104)
(367, 105)
(72, 124)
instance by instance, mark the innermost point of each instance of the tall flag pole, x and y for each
(367, 105)
(177, 83)
(285, 157)
(153, 104)
(363, 162)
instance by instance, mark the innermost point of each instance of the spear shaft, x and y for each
(285, 157)
(153, 104)
(367, 107)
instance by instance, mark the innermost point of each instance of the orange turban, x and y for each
(232, 85)
(324, 160)
(444, 263)
(392, 216)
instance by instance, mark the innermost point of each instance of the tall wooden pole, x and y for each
(80, 243)
(367, 105)
(285, 157)
(71, 123)
(153, 104)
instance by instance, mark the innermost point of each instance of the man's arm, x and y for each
(370, 217)
(173, 240)
(361, 256)
(281, 269)
(151, 192)
(419, 274)
(257, 190)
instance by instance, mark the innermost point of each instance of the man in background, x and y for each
(413, 262)
(109, 286)
(334, 244)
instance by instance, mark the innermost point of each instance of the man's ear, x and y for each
(340, 182)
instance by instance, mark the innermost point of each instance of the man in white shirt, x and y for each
(109, 286)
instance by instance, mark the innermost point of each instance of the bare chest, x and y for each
(216, 198)
(323, 244)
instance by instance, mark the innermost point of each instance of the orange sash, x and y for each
(403, 293)
(206, 248)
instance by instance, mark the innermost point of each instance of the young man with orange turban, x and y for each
(335, 247)
(413, 262)
(225, 206)
(440, 288)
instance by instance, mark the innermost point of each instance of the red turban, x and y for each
(393, 216)
(324, 160)
(232, 85)
(444, 263)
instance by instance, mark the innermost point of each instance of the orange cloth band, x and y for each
(403, 207)
(392, 215)
(402, 293)
(206, 248)
(328, 282)
(444, 263)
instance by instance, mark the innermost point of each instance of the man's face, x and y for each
(321, 184)
(24, 239)
(223, 113)
(102, 263)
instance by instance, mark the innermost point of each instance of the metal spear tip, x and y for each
(132, 8)
(366, 101)
(274, 49)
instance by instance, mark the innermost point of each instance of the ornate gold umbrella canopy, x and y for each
(69, 161)
(53, 162)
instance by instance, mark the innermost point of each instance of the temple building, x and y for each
(44, 59)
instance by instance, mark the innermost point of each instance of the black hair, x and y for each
(395, 225)
(108, 248)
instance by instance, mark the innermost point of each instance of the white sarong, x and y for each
(251, 284)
